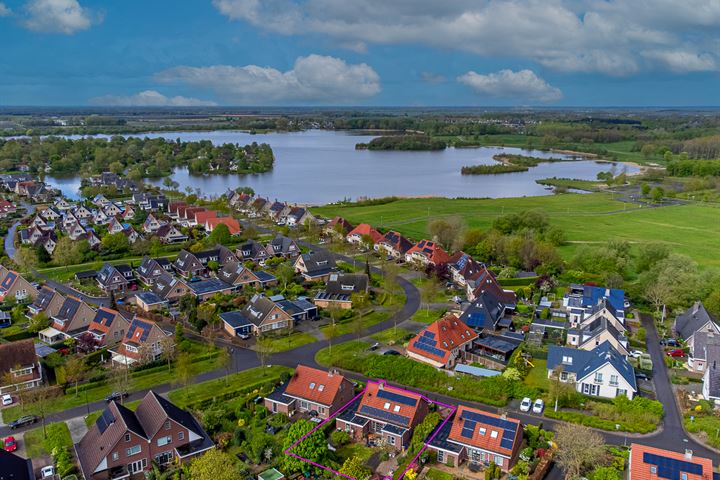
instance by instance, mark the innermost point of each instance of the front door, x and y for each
(137, 466)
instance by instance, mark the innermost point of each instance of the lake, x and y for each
(321, 166)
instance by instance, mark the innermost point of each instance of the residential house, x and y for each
(152, 224)
(443, 343)
(274, 210)
(260, 315)
(111, 279)
(19, 366)
(112, 210)
(299, 309)
(143, 342)
(252, 251)
(282, 246)
(597, 328)
(48, 300)
(123, 444)
(601, 372)
(170, 234)
(257, 207)
(174, 209)
(230, 222)
(48, 240)
(340, 288)
(238, 199)
(236, 274)
(7, 208)
(299, 216)
(170, 288)
(206, 289)
(394, 245)
(63, 205)
(698, 357)
(149, 301)
(72, 319)
(337, 227)
(311, 390)
(75, 231)
(651, 463)
(14, 285)
(479, 438)
(487, 312)
(50, 214)
(388, 412)
(99, 217)
(151, 268)
(202, 216)
(82, 213)
(581, 300)
(116, 226)
(108, 327)
(425, 253)
(15, 467)
(711, 377)
(695, 319)
(191, 264)
(466, 272)
(316, 266)
(364, 230)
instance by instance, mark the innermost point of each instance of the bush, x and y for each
(339, 438)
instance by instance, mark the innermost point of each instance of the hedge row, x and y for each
(602, 424)
(517, 282)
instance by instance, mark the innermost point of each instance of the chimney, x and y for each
(381, 385)
(688, 454)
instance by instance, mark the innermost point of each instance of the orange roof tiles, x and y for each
(376, 399)
(366, 229)
(485, 435)
(448, 333)
(316, 385)
(431, 250)
(202, 216)
(232, 224)
(642, 470)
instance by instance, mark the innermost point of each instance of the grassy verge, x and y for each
(435, 474)
(391, 335)
(538, 376)
(368, 320)
(37, 445)
(355, 450)
(706, 426)
(290, 342)
(427, 316)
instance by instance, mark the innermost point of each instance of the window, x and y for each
(391, 441)
(321, 388)
(127, 437)
(397, 408)
(653, 469)
(567, 360)
(499, 460)
(162, 441)
(613, 379)
(115, 455)
(134, 450)
(563, 376)
(181, 435)
(598, 377)
(483, 430)
(493, 434)
(441, 456)
(386, 406)
(312, 386)
(684, 476)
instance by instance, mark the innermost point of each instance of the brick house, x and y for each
(71, 320)
(108, 327)
(21, 362)
(442, 343)
(48, 301)
(384, 412)
(142, 343)
(123, 443)
(170, 288)
(311, 389)
(14, 284)
(650, 463)
(479, 438)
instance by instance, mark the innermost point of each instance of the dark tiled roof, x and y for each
(21, 352)
(584, 362)
(13, 467)
(693, 319)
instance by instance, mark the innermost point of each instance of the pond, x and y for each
(322, 166)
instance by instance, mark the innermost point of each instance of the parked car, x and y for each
(7, 400)
(676, 353)
(47, 472)
(538, 406)
(669, 342)
(374, 346)
(636, 354)
(525, 405)
(10, 444)
(641, 376)
(116, 396)
(23, 421)
(392, 352)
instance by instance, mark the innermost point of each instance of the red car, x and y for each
(10, 444)
(676, 353)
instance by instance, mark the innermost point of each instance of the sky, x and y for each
(360, 52)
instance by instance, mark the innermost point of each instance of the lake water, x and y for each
(320, 166)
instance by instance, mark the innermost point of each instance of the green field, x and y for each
(586, 218)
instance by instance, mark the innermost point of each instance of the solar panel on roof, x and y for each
(671, 468)
(105, 420)
(428, 334)
(509, 428)
(429, 349)
(396, 397)
(467, 433)
(382, 414)
(506, 443)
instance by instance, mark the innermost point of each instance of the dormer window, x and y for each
(386, 406)
(312, 386)
(321, 388)
(396, 409)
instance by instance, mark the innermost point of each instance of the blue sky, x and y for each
(364, 52)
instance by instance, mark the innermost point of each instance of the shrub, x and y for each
(339, 438)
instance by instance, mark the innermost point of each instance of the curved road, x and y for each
(9, 242)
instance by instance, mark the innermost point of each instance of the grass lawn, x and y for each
(368, 320)
(354, 348)
(427, 316)
(688, 229)
(537, 377)
(138, 381)
(435, 474)
(289, 342)
(706, 426)
(355, 450)
(440, 297)
(391, 335)
(37, 445)
(64, 274)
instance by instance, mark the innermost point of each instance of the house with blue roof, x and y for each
(582, 300)
(601, 372)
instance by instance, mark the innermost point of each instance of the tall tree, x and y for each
(39, 400)
(263, 349)
(313, 447)
(215, 465)
(76, 370)
(579, 448)
(224, 361)
(355, 468)
(285, 273)
(429, 290)
(184, 369)
(67, 252)
(448, 232)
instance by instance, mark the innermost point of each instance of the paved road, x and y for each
(10, 237)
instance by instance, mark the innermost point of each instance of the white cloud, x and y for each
(314, 78)
(5, 10)
(683, 61)
(520, 85)
(607, 36)
(58, 16)
(149, 98)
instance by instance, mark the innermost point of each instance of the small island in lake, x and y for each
(511, 163)
(403, 142)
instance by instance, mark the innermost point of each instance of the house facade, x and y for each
(20, 367)
(340, 288)
(142, 343)
(442, 343)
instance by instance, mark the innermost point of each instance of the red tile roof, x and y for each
(315, 385)
(347, 226)
(430, 250)
(482, 431)
(366, 229)
(447, 334)
(641, 470)
(232, 224)
(376, 398)
(202, 216)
